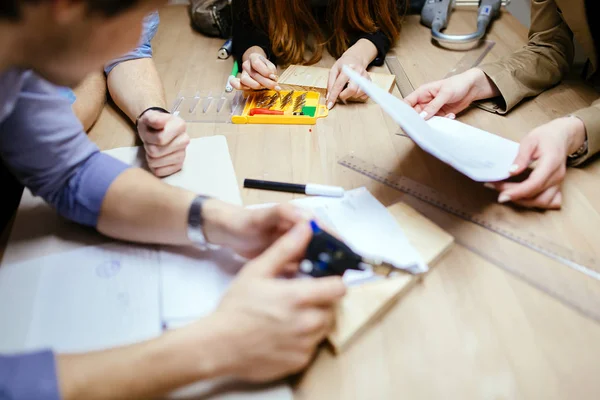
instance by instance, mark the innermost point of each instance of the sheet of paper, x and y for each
(368, 228)
(193, 282)
(207, 168)
(87, 299)
(480, 155)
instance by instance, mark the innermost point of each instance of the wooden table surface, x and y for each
(470, 330)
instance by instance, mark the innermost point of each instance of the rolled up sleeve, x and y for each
(591, 119)
(144, 48)
(541, 64)
(44, 146)
(29, 376)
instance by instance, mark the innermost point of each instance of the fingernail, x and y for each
(514, 168)
(330, 105)
(503, 198)
(489, 185)
(278, 88)
(451, 116)
(274, 77)
(423, 114)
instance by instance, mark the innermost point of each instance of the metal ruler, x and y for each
(402, 82)
(472, 58)
(583, 269)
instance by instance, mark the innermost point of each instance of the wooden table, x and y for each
(470, 330)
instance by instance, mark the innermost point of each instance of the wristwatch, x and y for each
(581, 151)
(195, 228)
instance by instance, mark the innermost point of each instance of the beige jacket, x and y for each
(547, 57)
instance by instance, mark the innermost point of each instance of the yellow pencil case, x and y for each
(287, 107)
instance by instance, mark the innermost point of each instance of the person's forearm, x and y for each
(148, 369)
(485, 88)
(135, 86)
(90, 98)
(365, 50)
(139, 207)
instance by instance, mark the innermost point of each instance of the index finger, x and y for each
(289, 248)
(540, 179)
(336, 89)
(420, 95)
(262, 68)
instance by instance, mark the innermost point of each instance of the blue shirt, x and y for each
(143, 50)
(44, 146)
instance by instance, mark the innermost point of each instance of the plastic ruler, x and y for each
(209, 106)
(582, 268)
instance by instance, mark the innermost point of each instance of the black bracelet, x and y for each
(162, 110)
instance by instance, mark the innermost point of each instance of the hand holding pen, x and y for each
(257, 72)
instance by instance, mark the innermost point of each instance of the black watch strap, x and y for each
(196, 221)
(160, 109)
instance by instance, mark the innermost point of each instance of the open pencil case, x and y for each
(287, 107)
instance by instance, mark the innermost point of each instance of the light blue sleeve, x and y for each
(45, 147)
(144, 49)
(29, 376)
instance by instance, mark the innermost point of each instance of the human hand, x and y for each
(450, 96)
(548, 145)
(257, 73)
(336, 85)
(249, 232)
(272, 326)
(165, 139)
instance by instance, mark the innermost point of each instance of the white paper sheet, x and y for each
(207, 168)
(368, 228)
(86, 299)
(193, 282)
(478, 154)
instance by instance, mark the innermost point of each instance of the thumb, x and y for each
(289, 248)
(155, 119)
(524, 157)
(436, 104)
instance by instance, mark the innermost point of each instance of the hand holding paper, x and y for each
(478, 154)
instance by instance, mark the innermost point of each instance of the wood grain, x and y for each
(364, 304)
(470, 330)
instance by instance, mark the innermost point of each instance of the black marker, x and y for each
(309, 189)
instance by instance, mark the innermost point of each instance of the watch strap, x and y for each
(159, 109)
(196, 221)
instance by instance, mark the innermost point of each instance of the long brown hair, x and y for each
(289, 23)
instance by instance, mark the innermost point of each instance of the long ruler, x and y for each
(545, 270)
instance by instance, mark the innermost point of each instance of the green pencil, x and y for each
(234, 72)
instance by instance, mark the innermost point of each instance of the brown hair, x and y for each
(288, 23)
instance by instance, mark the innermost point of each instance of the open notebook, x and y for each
(70, 289)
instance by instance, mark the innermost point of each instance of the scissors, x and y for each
(327, 255)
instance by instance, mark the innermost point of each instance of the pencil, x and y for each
(234, 72)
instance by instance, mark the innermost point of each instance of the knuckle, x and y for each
(152, 151)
